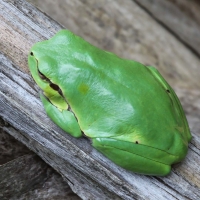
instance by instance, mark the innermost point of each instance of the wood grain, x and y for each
(181, 17)
(29, 177)
(23, 175)
(89, 173)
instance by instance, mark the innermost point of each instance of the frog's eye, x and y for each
(31, 54)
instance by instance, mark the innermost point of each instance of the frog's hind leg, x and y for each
(126, 155)
(63, 118)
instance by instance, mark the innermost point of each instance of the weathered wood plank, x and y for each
(90, 174)
(181, 17)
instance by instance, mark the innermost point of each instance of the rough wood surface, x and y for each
(29, 177)
(25, 176)
(10, 148)
(181, 17)
(90, 174)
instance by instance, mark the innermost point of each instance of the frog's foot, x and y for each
(134, 156)
(63, 118)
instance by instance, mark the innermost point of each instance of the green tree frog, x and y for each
(128, 110)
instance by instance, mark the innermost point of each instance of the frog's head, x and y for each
(44, 69)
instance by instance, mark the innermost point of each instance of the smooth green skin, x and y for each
(128, 110)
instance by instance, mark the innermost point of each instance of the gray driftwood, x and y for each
(89, 173)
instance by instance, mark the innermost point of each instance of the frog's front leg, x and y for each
(63, 118)
(134, 156)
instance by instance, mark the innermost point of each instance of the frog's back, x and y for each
(113, 97)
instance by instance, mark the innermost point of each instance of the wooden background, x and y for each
(165, 34)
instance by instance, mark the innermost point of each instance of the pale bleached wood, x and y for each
(90, 174)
